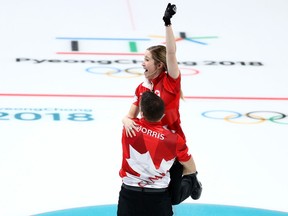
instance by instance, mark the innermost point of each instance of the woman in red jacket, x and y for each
(164, 79)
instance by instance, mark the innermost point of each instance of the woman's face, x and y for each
(151, 70)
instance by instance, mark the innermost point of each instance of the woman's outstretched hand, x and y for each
(169, 12)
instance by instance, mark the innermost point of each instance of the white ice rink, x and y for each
(61, 105)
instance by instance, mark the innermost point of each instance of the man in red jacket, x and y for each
(147, 159)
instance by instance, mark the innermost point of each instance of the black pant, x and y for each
(180, 187)
(134, 203)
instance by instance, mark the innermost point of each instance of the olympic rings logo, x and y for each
(131, 72)
(253, 117)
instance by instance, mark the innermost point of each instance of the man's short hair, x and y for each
(152, 106)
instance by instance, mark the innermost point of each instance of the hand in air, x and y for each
(169, 12)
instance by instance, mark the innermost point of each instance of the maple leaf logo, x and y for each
(143, 164)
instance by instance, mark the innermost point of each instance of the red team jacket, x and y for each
(155, 148)
(169, 90)
(148, 156)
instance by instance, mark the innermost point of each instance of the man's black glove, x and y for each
(169, 12)
(197, 186)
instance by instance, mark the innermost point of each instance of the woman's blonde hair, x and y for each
(158, 53)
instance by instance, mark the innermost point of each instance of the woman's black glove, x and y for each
(169, 12)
